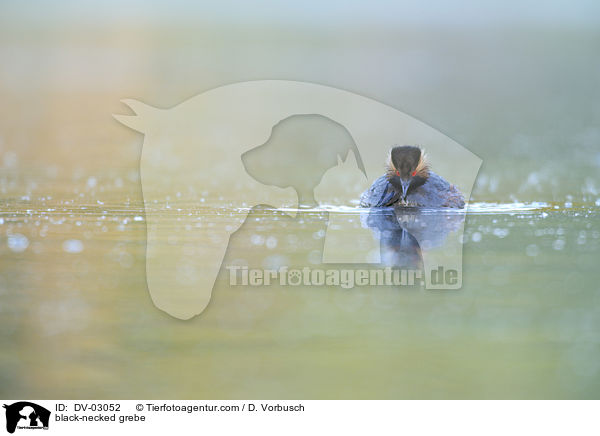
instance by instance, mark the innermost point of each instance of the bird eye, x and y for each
(414, 173)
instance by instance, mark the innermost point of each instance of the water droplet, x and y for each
(532, 250)
(10, 159)
(72, 246)
(18, 242)
(292, 239)
(271, 242)
(501, 233)
(319, 234)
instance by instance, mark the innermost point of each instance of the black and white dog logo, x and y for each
(26, 415)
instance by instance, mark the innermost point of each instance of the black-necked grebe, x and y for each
(409, 182)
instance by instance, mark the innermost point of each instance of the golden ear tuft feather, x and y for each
(423, 166)
(390, 170)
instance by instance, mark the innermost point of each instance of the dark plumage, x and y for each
(410, 182)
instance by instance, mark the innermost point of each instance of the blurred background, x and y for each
(517, 83)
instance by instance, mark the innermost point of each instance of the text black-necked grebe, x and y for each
(409, 182)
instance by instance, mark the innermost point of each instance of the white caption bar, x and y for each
(267, 417)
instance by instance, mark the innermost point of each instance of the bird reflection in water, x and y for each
(405, 233)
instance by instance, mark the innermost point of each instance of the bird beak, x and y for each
(405, 184)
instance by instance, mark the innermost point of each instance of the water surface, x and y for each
(76, 316)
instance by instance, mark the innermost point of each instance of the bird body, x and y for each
(410, 182)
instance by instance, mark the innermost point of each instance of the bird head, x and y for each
(407, 169)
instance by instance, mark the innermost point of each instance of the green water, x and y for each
(77, 319)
